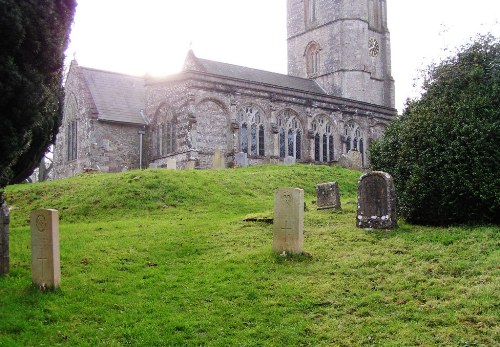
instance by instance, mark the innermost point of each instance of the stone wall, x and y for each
(342, 30)
(101, 145)
(84, 114)
(207, 118)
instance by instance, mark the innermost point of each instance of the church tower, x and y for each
(344, 45)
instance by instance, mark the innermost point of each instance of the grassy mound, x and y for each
(162, 258)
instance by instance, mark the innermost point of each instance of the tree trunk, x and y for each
(4, 237)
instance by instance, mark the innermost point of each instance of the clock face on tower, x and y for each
(373, 47)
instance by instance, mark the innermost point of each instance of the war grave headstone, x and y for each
(45, 261)
(288, 223)
(376, 201)
(4, 238)
(328, 196)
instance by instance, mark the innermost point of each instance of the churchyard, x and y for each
(165, 258)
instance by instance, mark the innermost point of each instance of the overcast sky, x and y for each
(153, 36)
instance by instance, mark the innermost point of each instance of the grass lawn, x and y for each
(165, 258)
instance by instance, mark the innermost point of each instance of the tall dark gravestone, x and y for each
(376, 201)
(4, 238)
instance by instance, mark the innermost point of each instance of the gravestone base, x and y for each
(45, 254)
(4, 238)
(376, 201)
(288, 222)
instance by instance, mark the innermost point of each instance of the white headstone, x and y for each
(218, 161)
(45, 254)
(288, 222)
(171, 164)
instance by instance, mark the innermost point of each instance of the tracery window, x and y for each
(72, 135)
(290, 134)
(312, 59)
(354, 138)
(251, 122)
(164, 132)
(323, 140)
(71, 129)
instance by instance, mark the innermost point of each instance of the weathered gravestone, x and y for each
(218, 161)
(4, 238)
(352, 160)
(376, 201)
(289, 160)
(241, 159)
(45, 256)
(288, 223)
(328, 196)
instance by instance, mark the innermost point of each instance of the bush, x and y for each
(444, 151)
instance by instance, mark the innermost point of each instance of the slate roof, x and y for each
(194, 63)
(118, 97)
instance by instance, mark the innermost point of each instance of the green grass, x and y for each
(165, 258)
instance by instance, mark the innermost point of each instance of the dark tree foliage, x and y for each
(444, 151)
(34, 35)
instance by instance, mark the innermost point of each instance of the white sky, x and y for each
(153, 36)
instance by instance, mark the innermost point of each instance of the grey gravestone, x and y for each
(289, 160)
(4, 238)
(288, 222)
(45, 254)
(376, 201)
(352, 160)
(241, 159)
(328, 196)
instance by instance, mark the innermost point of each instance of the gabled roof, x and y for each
(118, 97)
(193, 63)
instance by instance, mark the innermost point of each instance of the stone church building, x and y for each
(338, 96)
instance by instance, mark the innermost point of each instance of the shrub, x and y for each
(444, 151)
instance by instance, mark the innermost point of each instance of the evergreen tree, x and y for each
(444, 152)
(34, 36)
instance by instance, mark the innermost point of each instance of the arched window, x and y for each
(164, 133)
(250, 116)
(261, 140)
(290, 134)
(323, 139)
(312, 59)
(244, 138)
(70, 113)
(310, 11)
(354, 138)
